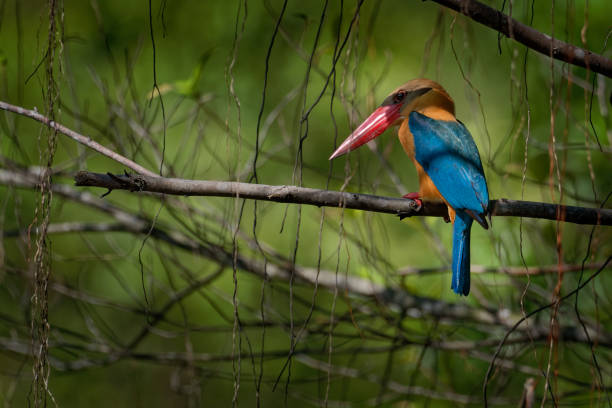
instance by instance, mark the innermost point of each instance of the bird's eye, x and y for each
(398, 97)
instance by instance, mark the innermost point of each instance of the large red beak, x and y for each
(372, 127)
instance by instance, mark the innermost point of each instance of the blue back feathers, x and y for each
(449, 156)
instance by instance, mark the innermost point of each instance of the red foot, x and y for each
(415, 197)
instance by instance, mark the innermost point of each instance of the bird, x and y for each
(445, 156)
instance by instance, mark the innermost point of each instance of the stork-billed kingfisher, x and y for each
(445, 156)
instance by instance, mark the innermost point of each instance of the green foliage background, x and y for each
(106, 66)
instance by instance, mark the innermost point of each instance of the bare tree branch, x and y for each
(508, 270)
(391, 385)
(415, 306)
(529, 36)
(87, 141)
(327, 198)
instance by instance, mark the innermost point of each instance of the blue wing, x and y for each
(449, 156)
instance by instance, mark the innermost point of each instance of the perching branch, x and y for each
(475, 269)
(327, 198)
(529, 36)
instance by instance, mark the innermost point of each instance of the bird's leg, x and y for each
(416, 198)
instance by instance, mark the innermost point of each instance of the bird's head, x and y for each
(416, 95)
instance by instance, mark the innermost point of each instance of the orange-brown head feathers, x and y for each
(421, 95)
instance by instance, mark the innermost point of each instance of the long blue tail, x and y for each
(461, 253)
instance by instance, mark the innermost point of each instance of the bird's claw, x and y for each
(419, 204)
